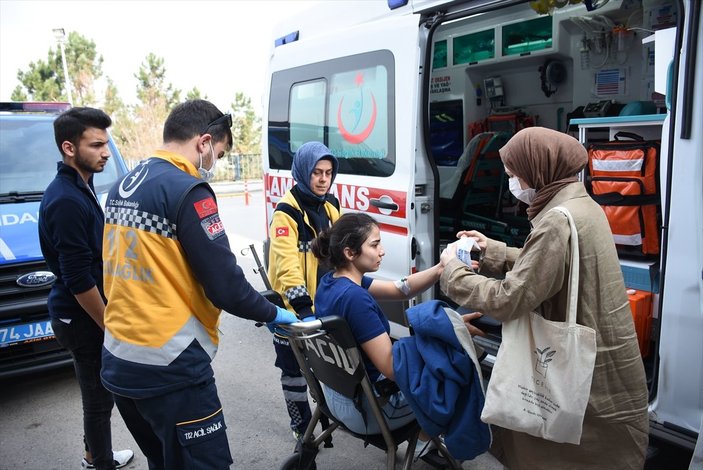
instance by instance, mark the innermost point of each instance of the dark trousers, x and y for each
(83, 338)
(295, 389)
(181, 430)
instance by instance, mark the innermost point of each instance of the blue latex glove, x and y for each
(283, 316)
(309, 318)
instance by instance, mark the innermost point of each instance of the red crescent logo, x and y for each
(363, 135)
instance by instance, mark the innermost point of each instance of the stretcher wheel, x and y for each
(298, 461)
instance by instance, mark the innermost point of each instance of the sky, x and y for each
(221, 46)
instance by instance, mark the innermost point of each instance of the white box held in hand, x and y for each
(464, 247)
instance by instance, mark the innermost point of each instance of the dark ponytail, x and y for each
(349, 231)
(320, 245)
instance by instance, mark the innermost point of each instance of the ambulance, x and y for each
(415, 97)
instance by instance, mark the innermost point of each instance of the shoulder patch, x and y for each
(281, 232)
(213, 226)
(205, 207)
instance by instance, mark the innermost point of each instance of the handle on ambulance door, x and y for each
(669, 85)
(384, 205)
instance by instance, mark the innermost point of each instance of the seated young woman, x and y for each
(352, 247)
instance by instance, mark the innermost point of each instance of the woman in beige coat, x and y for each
(542, 165)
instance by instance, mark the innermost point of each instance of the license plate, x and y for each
(25, 333)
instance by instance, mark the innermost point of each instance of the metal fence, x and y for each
(232, 167)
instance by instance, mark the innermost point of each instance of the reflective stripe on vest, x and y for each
(167, 353)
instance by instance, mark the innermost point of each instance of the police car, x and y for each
(28, 156)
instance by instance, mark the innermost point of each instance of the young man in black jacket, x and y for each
(71, 224)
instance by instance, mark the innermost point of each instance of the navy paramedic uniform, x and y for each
(168, 272)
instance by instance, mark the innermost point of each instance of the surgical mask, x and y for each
(524, 195)
(207, 174)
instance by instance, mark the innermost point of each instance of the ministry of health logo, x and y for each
(357, 118)
(132, 181)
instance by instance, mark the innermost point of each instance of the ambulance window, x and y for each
(358, 121)
(346, 103)
(307, 113)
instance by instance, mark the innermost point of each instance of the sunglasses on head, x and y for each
(224, 118)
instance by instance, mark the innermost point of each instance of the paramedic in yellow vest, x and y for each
(305, 210)
(169, 272)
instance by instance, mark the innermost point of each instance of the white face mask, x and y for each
(524, 195)
(207, 174)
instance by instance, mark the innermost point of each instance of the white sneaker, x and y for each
(121, 458)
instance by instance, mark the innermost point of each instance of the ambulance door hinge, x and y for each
(430, 21)
(425, 207)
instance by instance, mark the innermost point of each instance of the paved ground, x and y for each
(40, 415)
(40, 418)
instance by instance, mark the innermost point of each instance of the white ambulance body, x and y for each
(397, 89)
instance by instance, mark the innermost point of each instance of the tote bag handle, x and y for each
(573, 289)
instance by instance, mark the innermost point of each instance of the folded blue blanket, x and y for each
(441, 382)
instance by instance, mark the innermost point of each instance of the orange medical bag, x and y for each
(624, 180)
(641, 306)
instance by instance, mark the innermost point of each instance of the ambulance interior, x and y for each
(493, 74)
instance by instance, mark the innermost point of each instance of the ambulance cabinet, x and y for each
(649, 126)
(519, 39)
(527, 36)
(509, 40)
(474, 47)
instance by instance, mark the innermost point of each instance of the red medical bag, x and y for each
(624, 180)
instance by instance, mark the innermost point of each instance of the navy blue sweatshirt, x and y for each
(71, 224)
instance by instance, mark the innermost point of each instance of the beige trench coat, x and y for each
(615, 431)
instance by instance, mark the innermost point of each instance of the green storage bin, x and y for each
(439, 58)
(474, 47)
(528, 36)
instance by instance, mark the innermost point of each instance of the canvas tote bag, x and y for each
(541, 379)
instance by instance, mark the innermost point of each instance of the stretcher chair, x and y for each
(472, 198)
(328, 354)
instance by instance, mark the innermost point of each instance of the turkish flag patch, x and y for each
(281, 231)
(205, 207)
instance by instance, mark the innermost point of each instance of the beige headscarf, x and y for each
(546, 160)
